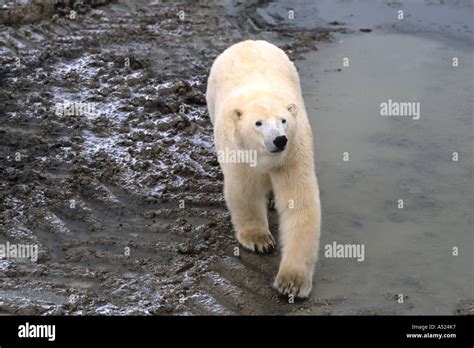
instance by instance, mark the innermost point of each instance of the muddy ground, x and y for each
(125, 202)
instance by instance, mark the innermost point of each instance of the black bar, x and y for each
(233, 329)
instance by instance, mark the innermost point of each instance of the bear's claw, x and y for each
(297, 284)
(259, 241)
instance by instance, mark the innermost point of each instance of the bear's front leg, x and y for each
(297, 201)
(246, 197)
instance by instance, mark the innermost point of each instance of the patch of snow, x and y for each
(56, 223)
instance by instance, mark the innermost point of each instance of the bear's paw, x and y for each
(258, 240)
(295, 282)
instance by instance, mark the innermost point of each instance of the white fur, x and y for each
(255, 81)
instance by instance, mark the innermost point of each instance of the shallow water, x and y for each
(448, 18)
(408, 251)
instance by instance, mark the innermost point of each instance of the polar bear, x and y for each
(256, 106)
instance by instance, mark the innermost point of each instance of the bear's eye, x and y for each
(258, 123)
(283, 120)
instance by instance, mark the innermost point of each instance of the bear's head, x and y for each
(268, 127)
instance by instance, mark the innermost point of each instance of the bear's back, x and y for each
(250, 67)
(247, 70)
(255, 61)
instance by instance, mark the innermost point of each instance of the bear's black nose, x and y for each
(280, 142)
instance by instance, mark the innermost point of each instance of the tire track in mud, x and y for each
(125, 204)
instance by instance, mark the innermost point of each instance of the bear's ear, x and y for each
(292, 109)
(236, 114)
